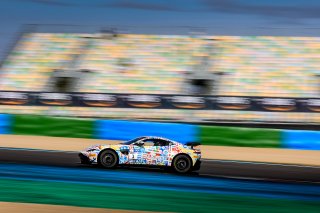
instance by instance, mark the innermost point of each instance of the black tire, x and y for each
(182, 164)
(108, 159)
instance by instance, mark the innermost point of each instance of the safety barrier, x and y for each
(126, 130)
(5, 124)
(296, 139)
(52, 126)
(233, 136)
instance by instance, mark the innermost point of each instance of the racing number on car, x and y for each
(133, 156)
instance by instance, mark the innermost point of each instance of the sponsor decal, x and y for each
(98, 100)
(313, 105)
(124, 150)
(143, 101)
(55, 99)
(188, 102)
(233, 103)
(14, 98)
(160, 101)
(278, 104)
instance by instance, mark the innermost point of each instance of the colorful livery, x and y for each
(147, 151)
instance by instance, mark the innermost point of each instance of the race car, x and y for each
(145, 151)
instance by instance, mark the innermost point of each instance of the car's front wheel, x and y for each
(182, 164)
(108, 159)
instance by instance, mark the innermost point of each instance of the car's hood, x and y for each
(102, 146)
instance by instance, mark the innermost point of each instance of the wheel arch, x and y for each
(101, 151)
(179, 154)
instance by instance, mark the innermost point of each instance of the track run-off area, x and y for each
(209, 167)
(57, 177)
(53, 177)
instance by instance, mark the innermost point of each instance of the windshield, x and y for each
(132, 141)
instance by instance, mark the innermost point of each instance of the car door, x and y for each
(148, 157)
(135, 153)
(157, 153)
(163, 152)
(138, 151)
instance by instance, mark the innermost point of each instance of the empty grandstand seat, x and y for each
(253, 65)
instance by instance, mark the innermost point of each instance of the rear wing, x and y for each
(193, 144)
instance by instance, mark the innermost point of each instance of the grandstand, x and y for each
(262, 66)
(161, 64)
(131, 63)
(139, 64)
(269, 66)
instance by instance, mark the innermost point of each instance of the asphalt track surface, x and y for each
(209, 168)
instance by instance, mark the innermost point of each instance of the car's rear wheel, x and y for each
(108, 159)
(182, 164)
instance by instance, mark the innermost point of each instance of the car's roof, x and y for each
(156, 137)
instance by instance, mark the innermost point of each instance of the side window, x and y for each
(160, 142)
(155, 142)
(148, 142)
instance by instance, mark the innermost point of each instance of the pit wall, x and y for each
(125, 130)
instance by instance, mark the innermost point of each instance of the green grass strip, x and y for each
(52, 126)
(142, 199)
(234, 136)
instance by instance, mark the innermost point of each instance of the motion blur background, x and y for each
(228, 74)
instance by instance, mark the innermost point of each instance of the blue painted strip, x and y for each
(127, 130)
(108, 178)
(300, 139)
(5, 123)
